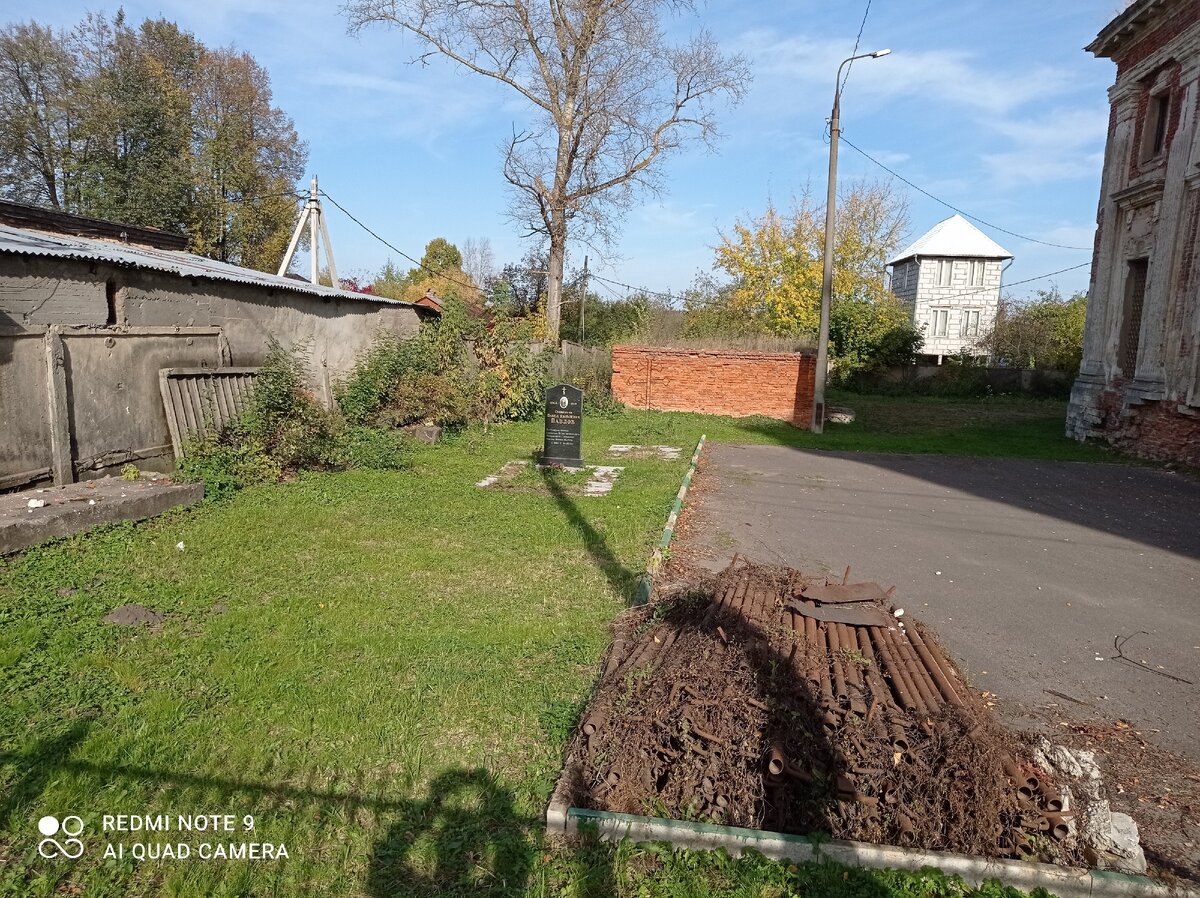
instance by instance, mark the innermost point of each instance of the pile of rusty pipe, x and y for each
(935, 669)
(878, 688)
(1025, 784)
(912, 665)
(650, 647)
(903, 690)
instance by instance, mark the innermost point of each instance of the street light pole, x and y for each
(835, 129)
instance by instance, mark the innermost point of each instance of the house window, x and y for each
(975, 269)
(944, 270)
(1154, 128)
(970, 323)
(1131, 325)
(941, 322)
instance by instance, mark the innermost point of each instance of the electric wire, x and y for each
(857, 40)
(961, 212)
(396, 249)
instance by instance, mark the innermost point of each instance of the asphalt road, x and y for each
(1027, 569)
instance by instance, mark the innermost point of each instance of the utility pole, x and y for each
(314, 217)
(835, 129)
(583, 298)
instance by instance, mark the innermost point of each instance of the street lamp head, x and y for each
(879, 53)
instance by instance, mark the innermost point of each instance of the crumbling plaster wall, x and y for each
(102, 333)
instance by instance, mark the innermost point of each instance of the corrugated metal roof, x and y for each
(955, 237)
(21, 241)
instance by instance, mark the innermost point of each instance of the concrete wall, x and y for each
(1149, 209)
(102, 333)
(716, 382)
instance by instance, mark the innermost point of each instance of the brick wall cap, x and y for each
(714, 353)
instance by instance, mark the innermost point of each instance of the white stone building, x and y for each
(951, 277)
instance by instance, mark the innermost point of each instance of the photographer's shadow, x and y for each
(464, 839)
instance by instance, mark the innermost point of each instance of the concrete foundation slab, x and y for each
(31, 517)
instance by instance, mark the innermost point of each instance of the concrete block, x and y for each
(81, 506)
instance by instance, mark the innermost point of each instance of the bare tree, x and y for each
(479, 262)
(611, 97)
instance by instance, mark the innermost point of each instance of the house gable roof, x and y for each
(954, 238)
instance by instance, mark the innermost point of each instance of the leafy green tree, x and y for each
(440, 257)
(41, 138)
(775, 261)
(147, 126)
(1044, 333)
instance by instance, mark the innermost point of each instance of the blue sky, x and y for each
(994, 107)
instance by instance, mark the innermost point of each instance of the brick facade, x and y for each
(716, 382)
(1139, 382)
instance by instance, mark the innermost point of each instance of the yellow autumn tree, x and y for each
(775, 261)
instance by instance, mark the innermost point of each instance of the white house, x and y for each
(951, 276)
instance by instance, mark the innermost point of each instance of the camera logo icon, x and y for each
(70, 827)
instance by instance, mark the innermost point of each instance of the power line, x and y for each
(1040, 277)
(395, 249)
(962, 212)
(854, 52)
(645, 290)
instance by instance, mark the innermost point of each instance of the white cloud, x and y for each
(1056, 146)
(935, 76)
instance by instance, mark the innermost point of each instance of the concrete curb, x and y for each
(646, 584)
(1067, 882)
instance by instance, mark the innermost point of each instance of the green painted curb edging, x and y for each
(646, 583)
(1066, 882)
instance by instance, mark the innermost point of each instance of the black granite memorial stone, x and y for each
(564, 427)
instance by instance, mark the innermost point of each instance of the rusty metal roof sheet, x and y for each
(24, 242)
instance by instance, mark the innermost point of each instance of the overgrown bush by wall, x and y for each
(458, 369)
(285, 430)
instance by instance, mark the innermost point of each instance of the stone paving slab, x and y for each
(30, 517)
(599, 484)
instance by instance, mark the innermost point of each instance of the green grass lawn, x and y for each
(380, 669)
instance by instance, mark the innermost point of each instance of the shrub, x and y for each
(285, 430)
(227, 463)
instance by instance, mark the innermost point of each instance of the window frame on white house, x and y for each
(970, 322)
(945, 272)
(942, 316)
(976, 268)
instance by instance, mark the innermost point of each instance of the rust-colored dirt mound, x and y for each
(763, 700)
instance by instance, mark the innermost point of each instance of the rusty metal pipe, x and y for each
(594, 723)
(777, 761)
(1056, 826)
(815, 655)
(615, 656)
(823, 668)
(943, 664)
(835, 660)
(931, 664)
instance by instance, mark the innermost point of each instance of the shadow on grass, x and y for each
(465, 837)
(620, 578)
(34, 768)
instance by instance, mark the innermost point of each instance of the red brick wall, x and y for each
(1151, 430)
(716, 382)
